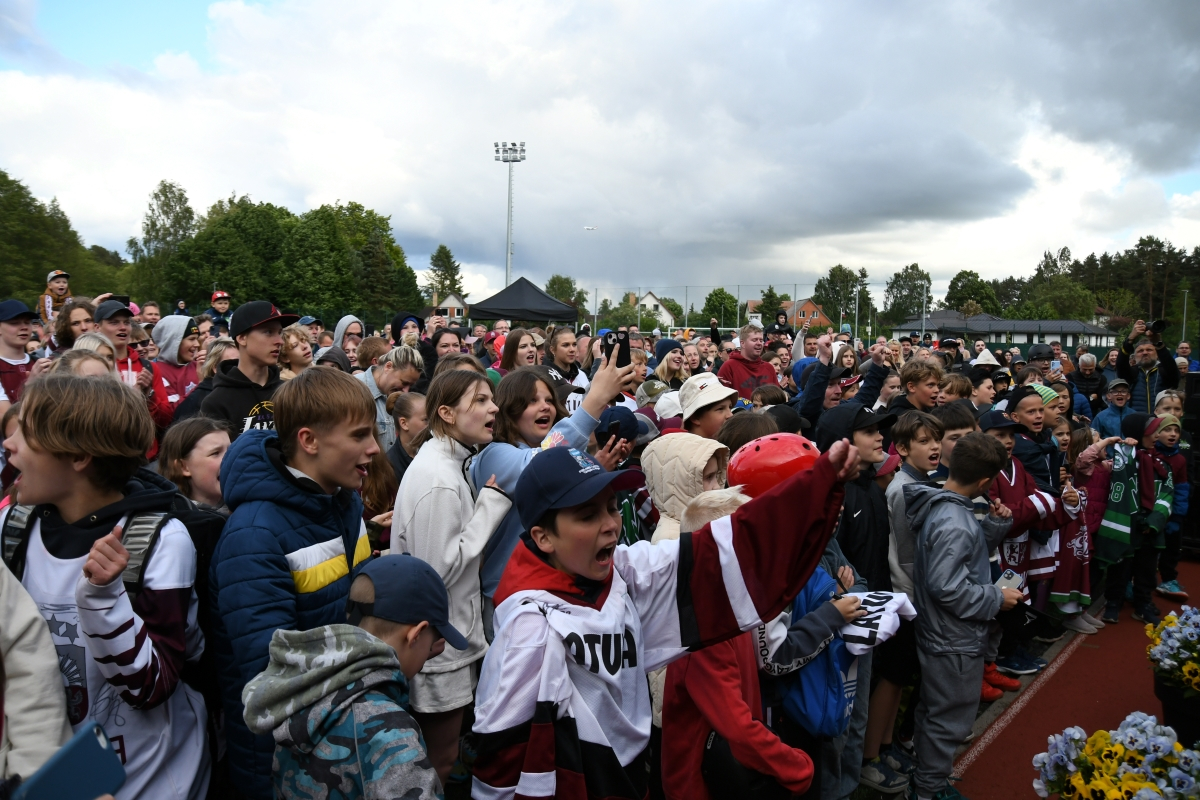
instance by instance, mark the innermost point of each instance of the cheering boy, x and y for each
(563, 705)
(955, 598)
(296, 533)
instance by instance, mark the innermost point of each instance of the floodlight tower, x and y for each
(509, 154)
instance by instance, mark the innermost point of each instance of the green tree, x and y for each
(835, 294)
(1119, 303)
(1008, 291)
(967, 285)
(721, 306)
(169, 222)
(772, 303)
(239, 250)
(563, 288)
(1068, 299)
(622, 314)
(907, 293)
(397, 288)
(1029, 310)
(36, 238)
(320, 267)
(444, 275)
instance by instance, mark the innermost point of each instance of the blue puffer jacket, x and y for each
(283, 562)
(1108, 421)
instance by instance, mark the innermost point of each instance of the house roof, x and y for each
(989, 323)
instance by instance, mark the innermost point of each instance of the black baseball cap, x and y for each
(563, 388)
(256, 313)
(109, 309)
(14, 309)
(628, 426)
(407, 591)
(561, 477)
(997, 420)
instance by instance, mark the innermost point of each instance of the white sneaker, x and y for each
(1078, 625)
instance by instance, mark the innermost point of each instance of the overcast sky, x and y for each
(709, 143)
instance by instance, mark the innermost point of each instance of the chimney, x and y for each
(435, 298)
(633, 298)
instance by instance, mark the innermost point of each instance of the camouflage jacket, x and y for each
(335, 700)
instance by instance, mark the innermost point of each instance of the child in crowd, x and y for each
(295, 534)
(1139, 508)
(1108, 421)
(562, 702)
(955, 598)
(178, 340)
(341, 723)
(243, 389)
(1168, 444)
(16, 365)
(917, 437)
(55, 298)
(1170, 401)
(191, 457)
(123, 638)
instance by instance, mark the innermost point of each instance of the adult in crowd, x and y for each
(73, 322)
(1090, 382)
(115, 321)
(670, 369)
(1153, 368)
(520, 350)
(745, 370)
(1064, 359)
(398, 370)
(1184, 351)
(348, 325)
(243, 390)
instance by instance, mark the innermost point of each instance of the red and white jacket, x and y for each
(563, 704)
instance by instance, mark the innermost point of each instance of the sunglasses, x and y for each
(137, 345)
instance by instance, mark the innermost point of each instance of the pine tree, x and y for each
(444, 275)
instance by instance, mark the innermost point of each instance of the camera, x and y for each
(1157, 326)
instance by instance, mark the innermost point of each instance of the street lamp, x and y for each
(509, 154)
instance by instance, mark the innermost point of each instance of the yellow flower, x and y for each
(1191, 670)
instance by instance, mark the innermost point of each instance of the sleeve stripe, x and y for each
(1039, 505)
(536, 784)
(731, 572)
(482, 791)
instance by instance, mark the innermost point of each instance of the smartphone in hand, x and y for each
(83, 769)
(1009, 580)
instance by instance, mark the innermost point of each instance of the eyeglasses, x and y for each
(137, 345)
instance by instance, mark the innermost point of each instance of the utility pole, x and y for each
(509, 154)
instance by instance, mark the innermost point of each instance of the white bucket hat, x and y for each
(700, 390)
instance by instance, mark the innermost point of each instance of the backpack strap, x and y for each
(140, 538)
(17, 526)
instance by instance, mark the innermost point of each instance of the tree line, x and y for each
(343, 258)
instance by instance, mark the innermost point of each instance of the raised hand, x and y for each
(825, 349)
(845, 459)
(107, 559)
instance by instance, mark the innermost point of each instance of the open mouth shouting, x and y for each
(604, 556)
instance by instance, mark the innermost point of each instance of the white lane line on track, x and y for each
(997, 727)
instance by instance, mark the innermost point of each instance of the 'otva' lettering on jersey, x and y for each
(613, 649)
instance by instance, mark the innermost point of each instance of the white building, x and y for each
(995, 330)
(649, 304)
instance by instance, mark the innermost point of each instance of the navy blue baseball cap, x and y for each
(561, 477)
(628, 426)
(308, 320)
(407, 591)
(14, 309)
(996, 420)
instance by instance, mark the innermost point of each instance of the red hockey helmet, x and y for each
(763, 462)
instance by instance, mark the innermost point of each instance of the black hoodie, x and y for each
(863, 530)
(240, 401)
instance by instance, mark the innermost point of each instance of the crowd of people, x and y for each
(274, 559)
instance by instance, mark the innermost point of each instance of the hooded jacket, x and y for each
(439, 519)
(674, 467)
(339, 332)
(1108, 421)
(334, 700)
(176, 381)
(190, 406)
(562, 709)
(952, 578)
(1088, 385)
(811, 403)
(863, 531)
(240, 401)
(284, 561)
(744, 375)
(1041, 457)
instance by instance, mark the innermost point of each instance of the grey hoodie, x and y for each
(168, 334)
(339, 333)
(335, 700)
(952, 579)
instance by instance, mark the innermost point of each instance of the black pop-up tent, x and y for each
(523, 300)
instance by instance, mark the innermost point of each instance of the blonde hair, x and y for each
(92, 341)
(957, 384)
(458, 361)
(319, 399)
(291, 335)
(447, 389)
(402, 356)
(70, 361)
(215, 355)
(67, 415)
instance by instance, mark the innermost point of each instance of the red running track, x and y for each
(1094, 683)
